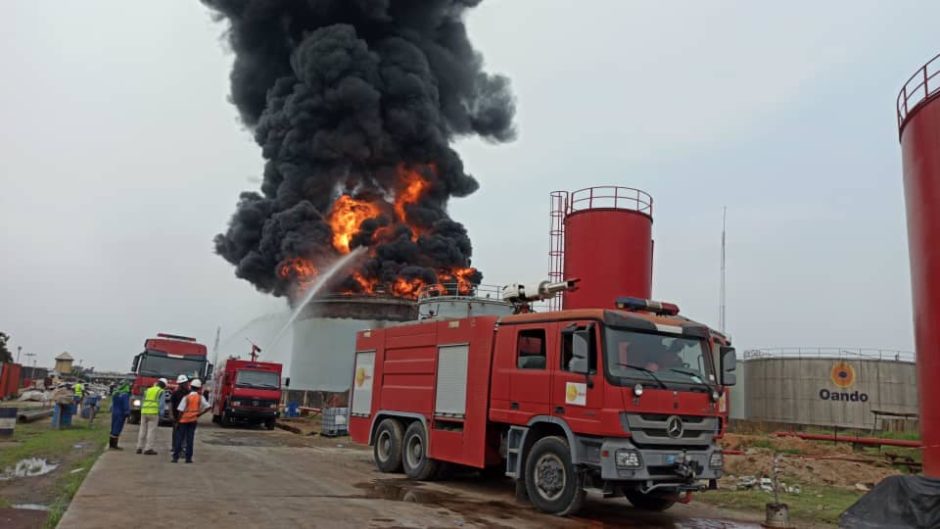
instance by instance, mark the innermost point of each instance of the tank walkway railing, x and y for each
(615, 197)
(921, 86)
(457, 291)
(855, 353)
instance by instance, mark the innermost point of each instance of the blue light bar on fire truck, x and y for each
(647, 305)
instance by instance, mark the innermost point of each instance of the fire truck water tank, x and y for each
(918, 108)
(608, 245)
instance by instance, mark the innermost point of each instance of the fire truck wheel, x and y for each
(415, 458)
(552, 482)
(387, 448)
(270, 423)
(651, 501)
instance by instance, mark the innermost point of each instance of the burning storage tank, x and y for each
(325, 337)
(602, 236)
(918, 112)
(325, 332)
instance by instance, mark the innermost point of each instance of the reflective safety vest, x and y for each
(79, 389)
(193, 403)
(151, 404)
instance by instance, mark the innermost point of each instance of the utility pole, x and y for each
(721, 295)
(18, 349)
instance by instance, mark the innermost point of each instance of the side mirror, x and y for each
(209, 371)
(287, 382)
(729, 364)
(134, 364)
(581, 345)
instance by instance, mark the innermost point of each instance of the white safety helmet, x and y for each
(181, 379)
(196, 383)
(164, 381)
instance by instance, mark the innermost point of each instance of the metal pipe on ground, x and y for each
(33, 415)
(867, 441)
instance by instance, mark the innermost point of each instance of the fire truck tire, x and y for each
(651, 501)
(553, 483)
(134, 418)
(270, 423)
(216, 418)
(414, 458)
(386, 451)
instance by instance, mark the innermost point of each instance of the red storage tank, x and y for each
(918, 107)
(604, 237)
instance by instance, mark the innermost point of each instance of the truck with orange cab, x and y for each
(622, 400)
(247, 391)
(166, 356)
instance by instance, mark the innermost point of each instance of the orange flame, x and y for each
(407, 288)
(298, 269)
(414, 187)
(345, 217)
(459, 278)
(367, 285)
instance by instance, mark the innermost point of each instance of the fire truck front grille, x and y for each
(671, 430)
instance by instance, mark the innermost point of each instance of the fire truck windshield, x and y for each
(661, 359)
(158, 364)
(257, 379)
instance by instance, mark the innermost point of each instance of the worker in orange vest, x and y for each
(190, 409)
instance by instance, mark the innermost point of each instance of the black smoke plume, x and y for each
(340, 95)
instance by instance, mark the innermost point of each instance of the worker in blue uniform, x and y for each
(120, 409)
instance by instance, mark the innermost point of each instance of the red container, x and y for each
(607, 244)
(919, 123)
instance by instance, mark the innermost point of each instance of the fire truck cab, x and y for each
(623, 401)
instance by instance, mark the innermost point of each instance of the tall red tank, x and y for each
(918, 107)
(604, 237)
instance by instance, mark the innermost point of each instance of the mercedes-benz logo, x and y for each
(674, 427)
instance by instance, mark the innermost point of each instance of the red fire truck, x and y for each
(166, 356)
(622, 400)
(247, 391)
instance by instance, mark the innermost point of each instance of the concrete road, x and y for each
(260, 479)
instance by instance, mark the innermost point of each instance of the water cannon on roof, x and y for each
(520, 295)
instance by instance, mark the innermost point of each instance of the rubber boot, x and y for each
(113, 443)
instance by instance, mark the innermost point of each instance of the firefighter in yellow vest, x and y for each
(151, 409)
(190, 409)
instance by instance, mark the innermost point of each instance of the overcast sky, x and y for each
(121, 158)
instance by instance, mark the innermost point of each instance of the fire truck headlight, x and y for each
(628, 459)
(136, 402)
(715, 395)
(716, 460)
(638, 390)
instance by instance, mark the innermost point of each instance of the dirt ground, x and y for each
(804, 461)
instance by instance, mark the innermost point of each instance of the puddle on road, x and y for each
(30, 506)
(28, 468)
(599, 514)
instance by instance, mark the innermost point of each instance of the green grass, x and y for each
(38, 439)
(68, 485)
(770, 444)
(815, 503)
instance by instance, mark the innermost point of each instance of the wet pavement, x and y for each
(258, 478)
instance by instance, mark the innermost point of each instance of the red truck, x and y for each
(166, 356)
(247, 391)
(626, 400)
